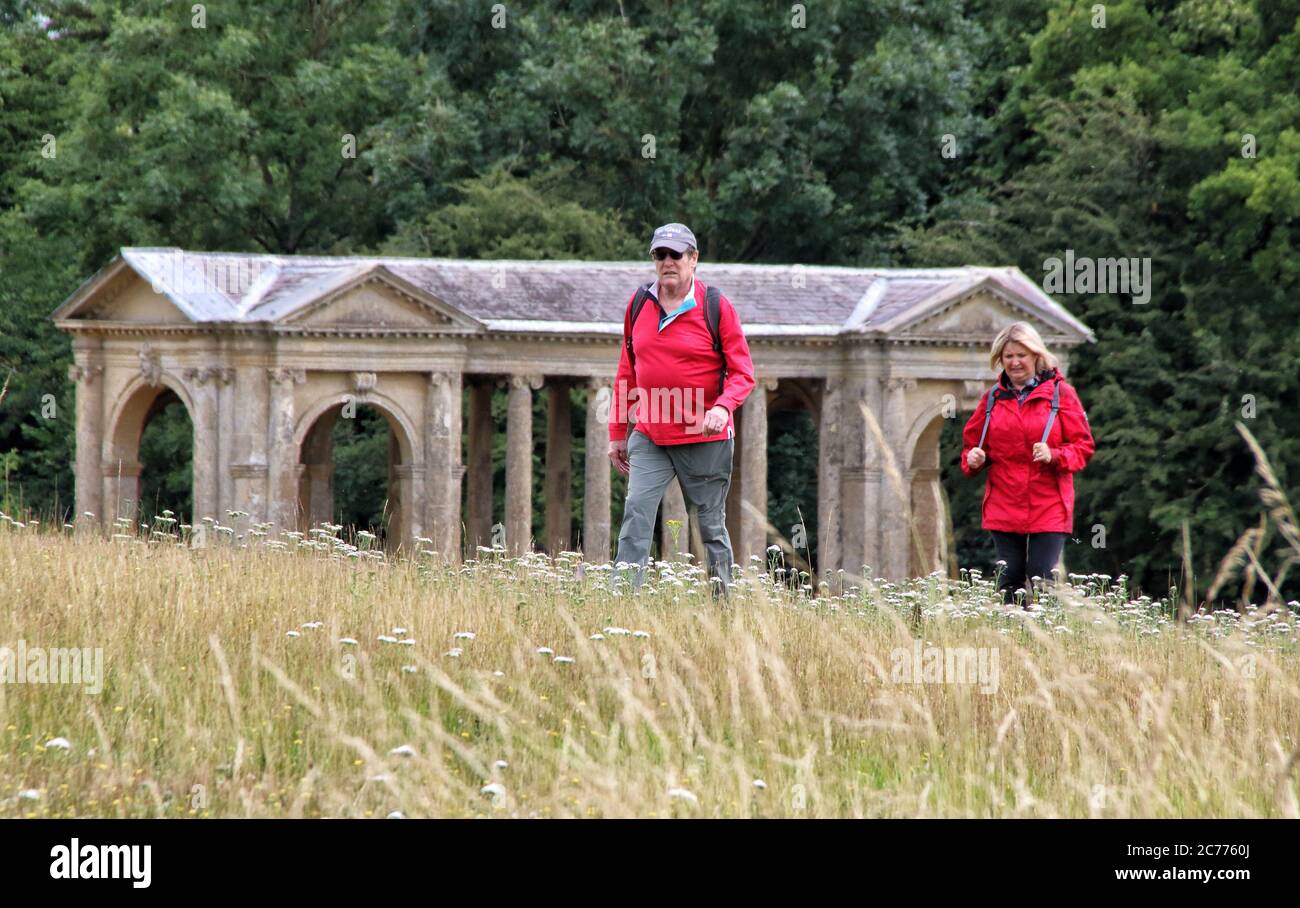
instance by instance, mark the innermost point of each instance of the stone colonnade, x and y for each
(262, 445)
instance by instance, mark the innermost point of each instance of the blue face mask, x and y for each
(684, 307)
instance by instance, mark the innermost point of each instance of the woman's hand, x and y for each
(975, 459)
(1042, 453)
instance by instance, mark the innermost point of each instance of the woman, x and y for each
(1031, 455)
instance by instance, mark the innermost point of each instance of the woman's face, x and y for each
(1018, 361)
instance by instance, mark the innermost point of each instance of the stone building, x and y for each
(264, 352)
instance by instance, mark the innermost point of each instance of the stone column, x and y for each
(519, 463)
(734, 509)
(478, 525)
(408, 519)
(121, 490)
(753, 476)
(673, 507)
(316, 497)
(927, 510)
(282, 469)
(88, 375)
(895, 487)
(859, 476)
(252, 420)
(202, 383)
(558, 487)
(830, 458)
(443, 463)
(595, 500)
(225, 378)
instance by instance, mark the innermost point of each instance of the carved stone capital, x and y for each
(972, 389)
(596, 383)
(286, 376)
(444, 380)
(364, 382)
(526, 381)
(86, 374)
(768, 384)
(900, 384)
(201, 375)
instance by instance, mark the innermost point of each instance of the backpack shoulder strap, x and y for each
(1056, 405)
(713, 317)
(629, 319)
(988, 413)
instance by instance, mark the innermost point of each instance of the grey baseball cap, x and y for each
(677, 237)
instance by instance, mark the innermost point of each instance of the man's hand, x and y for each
(716, 419)
(618, 454)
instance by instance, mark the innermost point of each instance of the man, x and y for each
(681, 376)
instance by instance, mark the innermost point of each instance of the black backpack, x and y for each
(712, 318)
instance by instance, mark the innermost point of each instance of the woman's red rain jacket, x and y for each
(1021, 496)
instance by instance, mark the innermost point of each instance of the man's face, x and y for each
(675, 274)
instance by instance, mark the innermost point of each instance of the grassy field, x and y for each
(229, 688)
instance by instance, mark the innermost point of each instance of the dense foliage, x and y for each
(894, 133)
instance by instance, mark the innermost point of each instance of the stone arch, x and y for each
(134, 406)
(313, 442)
(795, 405)
(929, 512)
(391, 409)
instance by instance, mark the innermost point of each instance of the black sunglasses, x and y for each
(661, 253)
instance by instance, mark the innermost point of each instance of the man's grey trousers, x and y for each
(704, 472)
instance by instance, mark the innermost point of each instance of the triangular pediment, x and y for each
(379, 299)
(977, 314)
(137, 302)
(118, 293)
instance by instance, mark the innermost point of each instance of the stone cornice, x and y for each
(135, 329)
(79, 327)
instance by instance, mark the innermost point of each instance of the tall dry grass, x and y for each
(1103, 706)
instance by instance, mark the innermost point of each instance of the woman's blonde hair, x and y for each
(1024, 334)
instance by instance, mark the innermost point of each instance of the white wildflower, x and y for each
(681, 794)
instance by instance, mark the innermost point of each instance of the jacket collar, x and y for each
(653, 291)
(1007, 391)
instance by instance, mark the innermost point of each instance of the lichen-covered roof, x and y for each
(252, 288)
